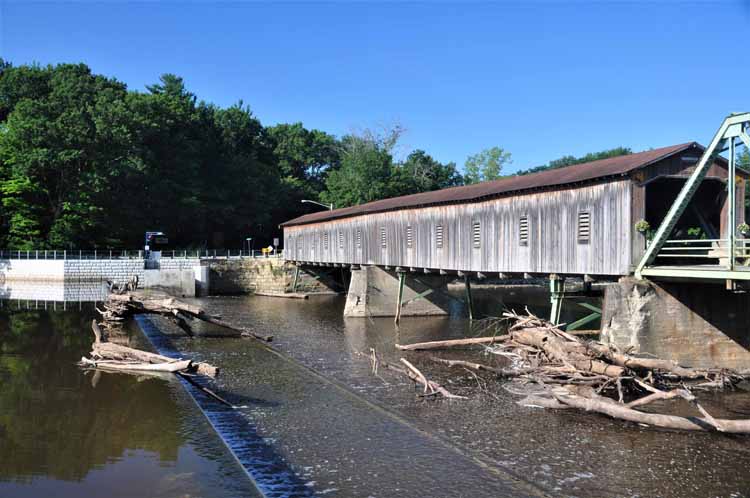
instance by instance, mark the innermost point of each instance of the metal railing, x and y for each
(704, 250)
(98, 254)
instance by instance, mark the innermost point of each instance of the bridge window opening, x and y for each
(584, 227)
(409, 237)
(325, 241)
(382, 238)
(476, 234)
(341, 239)
(439, 236)
(523, 230)
(358, 237)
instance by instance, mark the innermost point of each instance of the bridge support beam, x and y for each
(469, 300)
(700, 325)
(373, 292)
(557, 294)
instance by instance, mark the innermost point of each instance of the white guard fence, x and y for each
(134, 254)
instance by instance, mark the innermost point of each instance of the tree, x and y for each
(59, 143)
(743, 158)
(421, 173)
(486, 165)
(305, 155)
(365, 172)
(242, 178)
(86, 163)
(571, 160)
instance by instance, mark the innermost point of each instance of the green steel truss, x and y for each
(734, 127)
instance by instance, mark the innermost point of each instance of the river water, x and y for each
(66, 434)
(311, 419)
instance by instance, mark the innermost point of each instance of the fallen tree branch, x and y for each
(502, 372)
(119, 306)
(575, 373)
(171, 367)
(610, 408)
(413, 373)
(452, 343)
(103, 350)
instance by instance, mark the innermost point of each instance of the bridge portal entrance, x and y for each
(703, 218)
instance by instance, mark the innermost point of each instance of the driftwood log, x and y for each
(558, 370)
(110, 356)
(119, 306)
(451, 343)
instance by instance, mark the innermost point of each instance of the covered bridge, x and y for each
(582, 221)
(577, 220)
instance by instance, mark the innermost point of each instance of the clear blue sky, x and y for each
(540, 79)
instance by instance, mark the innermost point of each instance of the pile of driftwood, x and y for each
(125, 302)
(554, 369)
(107, 355)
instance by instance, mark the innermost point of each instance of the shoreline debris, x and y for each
(557, 370)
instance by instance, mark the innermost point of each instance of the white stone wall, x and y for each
(58, 290)
(84, 270)
(116, 270)
(31, 269)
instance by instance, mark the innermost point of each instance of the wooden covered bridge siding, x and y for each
(485, 236)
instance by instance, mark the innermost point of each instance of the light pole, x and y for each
(328, 206)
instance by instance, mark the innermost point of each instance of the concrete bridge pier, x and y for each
(698, 324)
(375, 292)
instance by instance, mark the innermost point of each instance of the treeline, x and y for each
(87, 163)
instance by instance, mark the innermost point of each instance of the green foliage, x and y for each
(365, 171)
(368, 171)
(642, 226)
(54, 153)
(306, 155)
(421, 173)
(304, 158)
(486, 165)
(571, 160)
(743, 158)
(87, 163)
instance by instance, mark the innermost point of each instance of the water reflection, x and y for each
(96, 434)
(32, 294)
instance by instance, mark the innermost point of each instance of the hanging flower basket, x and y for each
(644, 226)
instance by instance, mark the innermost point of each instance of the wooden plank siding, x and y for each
(553, 243)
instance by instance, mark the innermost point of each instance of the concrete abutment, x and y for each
(374, 292)
(697, 324)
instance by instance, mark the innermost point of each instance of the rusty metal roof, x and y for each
(585, 172)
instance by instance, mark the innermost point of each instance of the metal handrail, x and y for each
(716, 249)
(691, 241)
